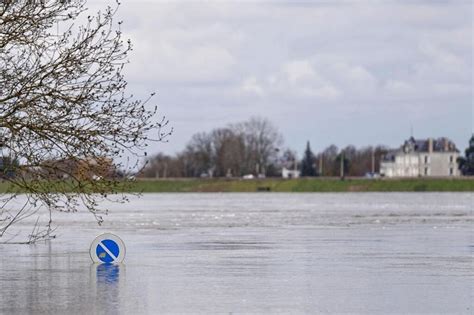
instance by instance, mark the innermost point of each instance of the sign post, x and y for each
(107, 248)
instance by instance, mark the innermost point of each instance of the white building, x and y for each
(416, 158)
(286, 173)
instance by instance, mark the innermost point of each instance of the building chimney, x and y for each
(445, 145)
(430, 145)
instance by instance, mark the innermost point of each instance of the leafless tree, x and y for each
(359, 160)
(249, 147)
(229, 151)
(328, 157)
(262, 141)
(63, 98)
(199, 155)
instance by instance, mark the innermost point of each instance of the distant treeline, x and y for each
(256, 147)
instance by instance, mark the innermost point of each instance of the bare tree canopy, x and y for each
(63, 107)
(248, 147)
(263, 141)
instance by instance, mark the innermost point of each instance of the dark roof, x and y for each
(439, 145)
(422, 145)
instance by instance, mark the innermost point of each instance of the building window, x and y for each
(426, 159)
(426, 171)
(451, 159)
(451, 171)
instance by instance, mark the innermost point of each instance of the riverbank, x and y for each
(303, 185)
(284, 185)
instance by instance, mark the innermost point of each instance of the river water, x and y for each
(262, 253)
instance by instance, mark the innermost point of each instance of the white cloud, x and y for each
(295, 79)
(396, 87)
(441, 64)
(355, 80)
(250, 85)
(328, 92)
(299, 70)
(170, 61)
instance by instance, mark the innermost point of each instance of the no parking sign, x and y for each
(107, 248)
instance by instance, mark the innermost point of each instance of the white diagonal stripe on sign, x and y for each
(107, 251)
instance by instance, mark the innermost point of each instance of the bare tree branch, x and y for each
(65, 118)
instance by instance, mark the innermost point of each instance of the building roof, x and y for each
(422, 145)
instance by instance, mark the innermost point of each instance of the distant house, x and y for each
(81, 169)
(286, 173)
(425, 158)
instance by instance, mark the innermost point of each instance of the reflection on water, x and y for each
(107, 274)
(107, 279)
(255, 253)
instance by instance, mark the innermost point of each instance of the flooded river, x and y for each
(262, 253)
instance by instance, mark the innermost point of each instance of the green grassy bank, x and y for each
(284, 185)
(302, 185)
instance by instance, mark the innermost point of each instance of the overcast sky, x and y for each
(331, 72)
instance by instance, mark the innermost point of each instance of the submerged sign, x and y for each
(107, 248)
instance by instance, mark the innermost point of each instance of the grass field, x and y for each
(302, 185)
(294, 185)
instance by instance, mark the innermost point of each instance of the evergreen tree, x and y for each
(308, 164)
(466, 164)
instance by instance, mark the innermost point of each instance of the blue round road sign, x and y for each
(107, 248)
(107, 251)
